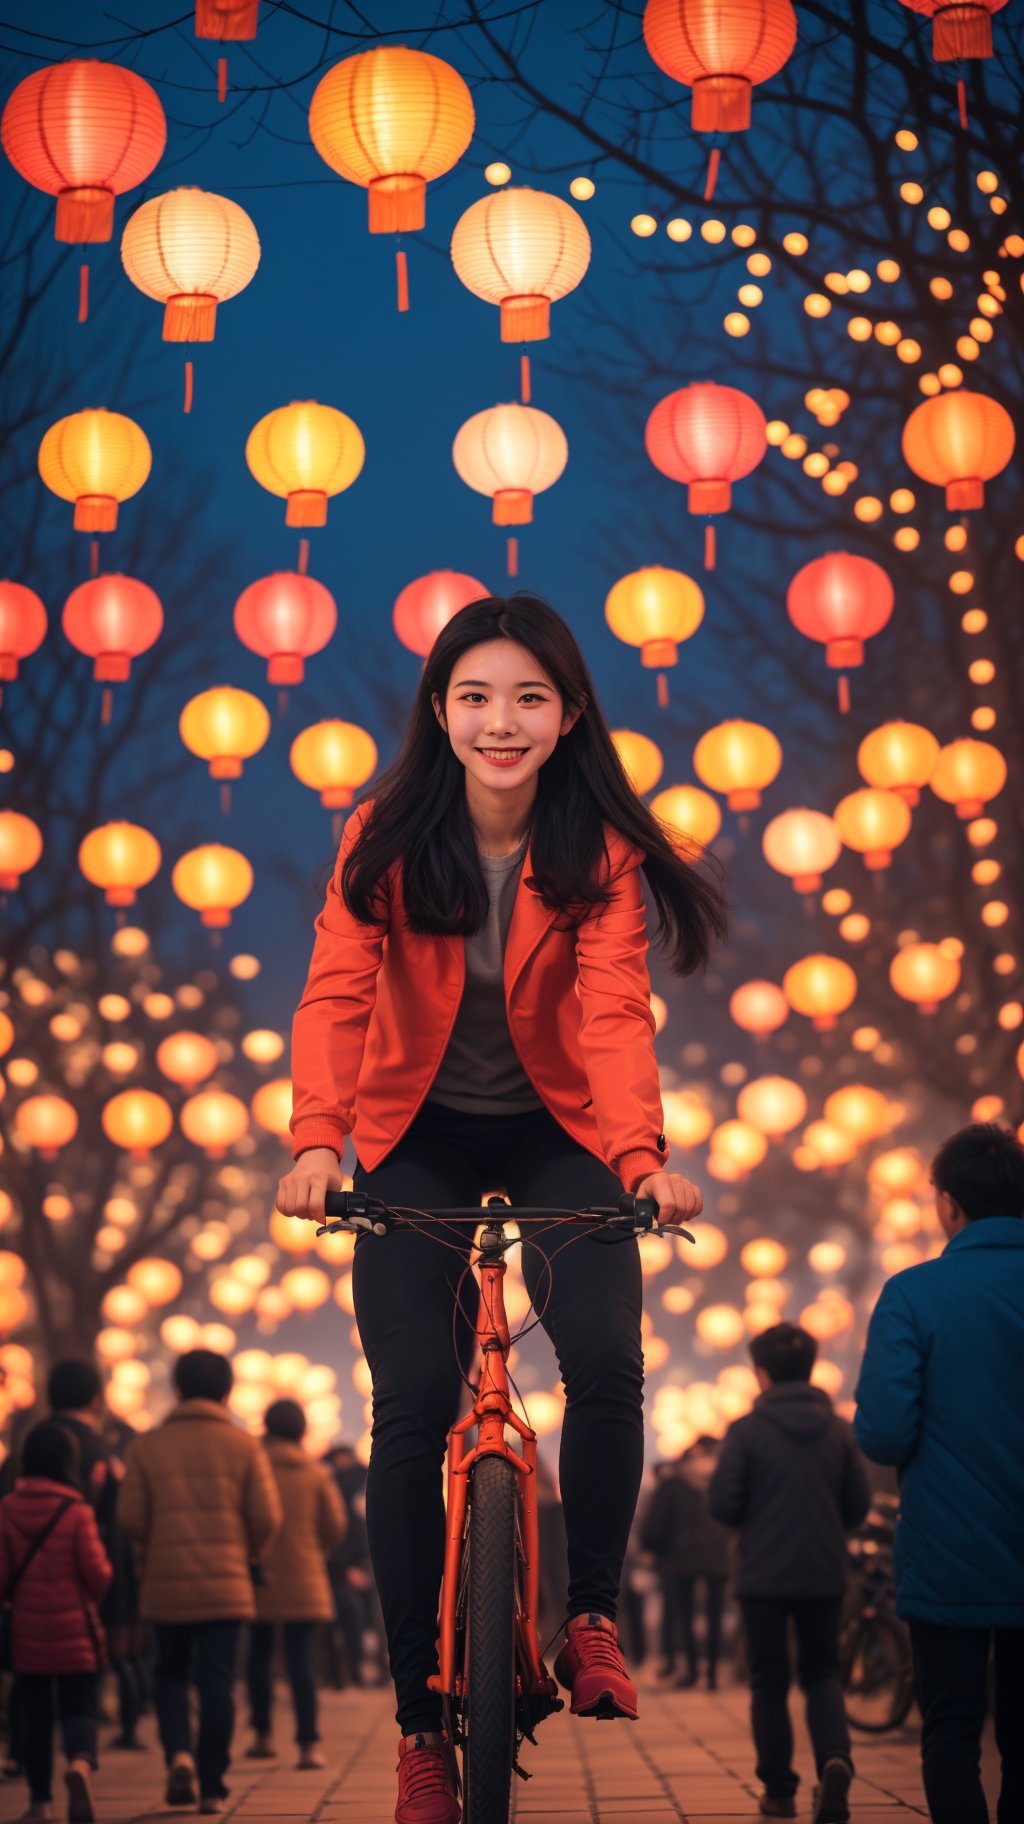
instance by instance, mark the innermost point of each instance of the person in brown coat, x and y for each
(295, 1589)
(200, 1506)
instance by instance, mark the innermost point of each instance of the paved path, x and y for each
(687, 1761)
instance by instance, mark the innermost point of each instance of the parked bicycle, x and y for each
(874, 1649)
(494, 1685)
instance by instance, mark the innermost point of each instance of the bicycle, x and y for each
(876, 1664)
(493, 1683)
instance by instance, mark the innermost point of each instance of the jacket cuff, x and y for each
(317, 1130)
(634, 1166)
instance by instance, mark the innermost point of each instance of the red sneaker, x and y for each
(592, 1668)
(425, 1791)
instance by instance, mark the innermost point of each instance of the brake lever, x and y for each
(356, 1225)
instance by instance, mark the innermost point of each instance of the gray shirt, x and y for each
(480, 1072)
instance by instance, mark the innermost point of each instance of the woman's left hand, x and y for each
(676, 1197)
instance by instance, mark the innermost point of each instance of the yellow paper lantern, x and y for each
(897, 1172)
(803, 845)
(190, 250)
(232, 1297)
(187, 1058)
(158, 1280)
(334, 758)
(688, 1121)
(262, 1046)
(213, 880)
(21, 845)
(120, 858)
(511, 453)
(305, 453)
(46, 1122)
(521, 249)
(968, 774)
(859, 1111)
(720, 1325)
(124, 1307)
(899, 757)
(763, 1258)
(925, 974)
(226, 727)
(272, 1106)
(641, 758)
(874, 823)
(392, 120)
(830, 1145)
(306, 1287)
(759, 1007)
(655, 609)
(692, 817)
(775, 1105)
(708, 1248)
(739, 760)
(743, 1144)
(292, 1234)
(97, 459)
(214, 1120)
(821, 987)
(137, 1120)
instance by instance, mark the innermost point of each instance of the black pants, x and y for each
(679, 1596)
(298, 1659)
(205, 1651)
(404, 1289)
(951, 1672)
(76, 1707)
(817, 1634)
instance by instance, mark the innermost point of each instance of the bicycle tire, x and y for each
(882, 1643)
(490, 1668)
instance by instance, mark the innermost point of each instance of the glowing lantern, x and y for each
(968, 774)
(22, 627)
(231, 1296)
(925, 974)
(802, 845)
(740, 1142)
(158, 1280)
(826, 1318)
(226, 727)
(428, 604)
(307, 1287)
(137, 1120)
(97, 459)
(899, 757)
(510, 452)
(335, 759)
(285, 618)
(692, 816)
(14, 1310)
(21, 845)
(213, 880)
(262, 1045)
(120, 858)
(227, 20)
(959, 440)
(304, 453)
(759, 1007)
(392, 120)
(859, 1111)
(190, 250)
(763, 1258)
(775, 1105)
(187, 1058)
(655, 609)
(897, 1172)
(112, 619)
(292, 1233)
(46, 1122)
(272, 1106)
(708, 1248)
(720, 1325)
(831, 1145)
(641, 758)
(960, 28)
(84, 132)
(740, 760)
(820, 987)
(521, 249)
(6, 1033)
(688, 1120)
(874, 823)
(707, 436)
(720, 51)
(841, 600)
(214, 1120)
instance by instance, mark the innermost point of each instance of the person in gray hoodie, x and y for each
(791, 1479)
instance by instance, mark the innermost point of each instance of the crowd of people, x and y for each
(151, 1560)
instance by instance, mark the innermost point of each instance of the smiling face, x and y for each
(503, 715)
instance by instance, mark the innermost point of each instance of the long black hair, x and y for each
(420, 814)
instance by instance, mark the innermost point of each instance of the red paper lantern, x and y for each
(112, 619)
(84, 132)
(840, 600)
(720, 48)
(960, 28)
(227, 19)
(707, 436)
(22, 627)
(428, 604)
(285, 618)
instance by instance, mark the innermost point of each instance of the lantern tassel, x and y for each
(83, 293)
(225, 799)
(512, 555)
(712, 177)
(94, 557)
(222, 79)
(282, 702)
(402, 276)
(188, 386)
(709, 547)
(524, 379)
(844, 695)
(662, 690)
(120, 917)
(337, 822)
(303, 565)
(107, 707)
(961, 101)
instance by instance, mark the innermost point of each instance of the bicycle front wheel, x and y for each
(489, 1725)
(878, 1675)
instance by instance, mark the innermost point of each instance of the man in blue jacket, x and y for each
(940, 1396)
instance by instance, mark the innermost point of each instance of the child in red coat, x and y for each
(53, 1571)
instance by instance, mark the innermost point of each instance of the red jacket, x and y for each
(55, 1621)
(380, 1002)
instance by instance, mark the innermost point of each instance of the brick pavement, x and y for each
(687, 1761)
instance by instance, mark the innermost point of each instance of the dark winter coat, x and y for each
(940, 1396)
(679, 1530)
(792, 1479)
(55, 1622)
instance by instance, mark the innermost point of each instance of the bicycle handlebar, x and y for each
(355, 1212)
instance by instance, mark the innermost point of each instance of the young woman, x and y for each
(477, 1014)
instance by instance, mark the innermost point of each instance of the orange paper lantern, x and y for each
(428, 604)
(224, 726)
(22, 627)
(229, 21)
(803, 845)
(521, 249)
(113, 619)
(190, 250)
(187, 1058)
(97, 459)
(740, 760)
(968, 774)
(821, 987)
(285, 618)
(641, 758)
(721, 49)
(510, 452)
(213, 880)
(137, 1120)
(335, 759)
(159, 1281)
(655, 609)
(960, 28)
(120, 858)
(759, 1007)
(692, 816)
(214, 1120)
(874, 823)
(84, 132)
(774, 1104)
(959, 440)
(304, 453)
(924, 974)
(46, 1122)
(21, 845)
(859, 1110)
(899, 757)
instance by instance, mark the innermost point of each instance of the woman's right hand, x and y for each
(301, 1191)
